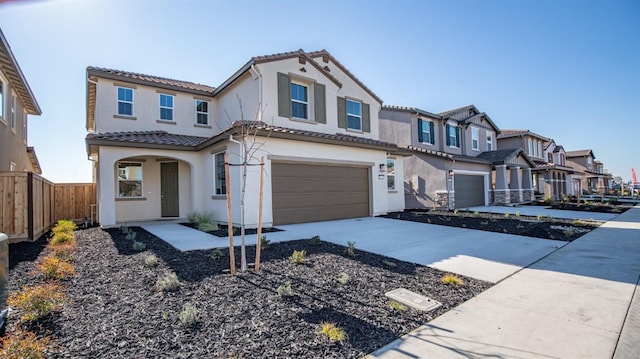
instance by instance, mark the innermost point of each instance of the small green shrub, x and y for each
(62, 238)
(64, 226)
(351, 249)
(333, 332)
(452, 279)
(168, 282)
(131, 235)
(476, 213)
(539, 217)
(208, 227)
(389, 263)
(216, 254)
(54, 268)
(507, 214)
(579, 223)
(204, 220)
(455, 211)
(37, 301)
(139, 246)
(24, 345)
(284, 290)
(518, 214)
(342, 278)
(397, 306)
(315, 240)
(150, 260)
(264, 242)
(64, 252)
(188, 315)
(124, 229)
(298, 257)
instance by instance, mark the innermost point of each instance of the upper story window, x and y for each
(166, 107)
(129, 179)
(12, 166)
(354, 115)
(550, 157)
(202, 112)
(475, 139)
(426, 133)
(299, 101)
(13, 112)
(391, 174)
(529, 147)
(219, 174)
(125, 101)
(563, 159)
(489, 141)
(539, 153)
(453, 136)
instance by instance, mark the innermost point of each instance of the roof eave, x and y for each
(92, 72)
(14, 71)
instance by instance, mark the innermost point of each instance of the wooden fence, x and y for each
(31, 204)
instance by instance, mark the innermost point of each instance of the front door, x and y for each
(169, 189)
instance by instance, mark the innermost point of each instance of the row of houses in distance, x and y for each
(331, 148)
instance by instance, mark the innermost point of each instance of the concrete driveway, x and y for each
(482, 255)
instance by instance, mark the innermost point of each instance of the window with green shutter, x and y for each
(426, 131)
(453, 136)
(301, 99)
(354, 115)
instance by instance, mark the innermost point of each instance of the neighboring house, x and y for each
(158, 144)
(17, 102)
(595, 179)
(455, 161)
(553, 177)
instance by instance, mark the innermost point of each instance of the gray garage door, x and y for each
(311, 193)
(469, 190)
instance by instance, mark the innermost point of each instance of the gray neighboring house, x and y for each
(17, 102)
(455, 161)
(595, 179)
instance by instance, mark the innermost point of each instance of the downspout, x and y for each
(257, 72)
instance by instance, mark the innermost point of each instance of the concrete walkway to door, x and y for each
(578, 302)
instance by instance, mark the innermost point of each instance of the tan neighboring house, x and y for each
(595, 179)
(17, 102)
(158, 145)
(456, 161)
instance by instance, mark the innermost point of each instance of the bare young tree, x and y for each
(251, 136)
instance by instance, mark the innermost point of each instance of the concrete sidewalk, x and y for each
(545, 212)
(570, 304)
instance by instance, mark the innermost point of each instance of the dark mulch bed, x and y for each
(115, 310)
(592, 207)
(547, 228)
(222, 230)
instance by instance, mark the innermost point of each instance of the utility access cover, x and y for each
(414, 300)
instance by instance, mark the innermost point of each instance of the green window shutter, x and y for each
(420, 136)
(319, 103)
(284, 95)
(366, 118)
(457, 136)
(447, 134)
(432, 135)
(342, 112)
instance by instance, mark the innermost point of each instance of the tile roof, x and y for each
(154, 139)
(456, 110)
(148, 138)
(580, 153)
(516, 133)
(411, 109)
(153, 80)
(502, 156)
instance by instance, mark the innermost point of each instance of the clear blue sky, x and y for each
(569, 70)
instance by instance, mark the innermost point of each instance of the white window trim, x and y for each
(118, 180)
(165, 107)
(223, 190)
(428, 139)
(132, 102)
(12, 166)
(308, 86)
(12, 116)
(201, 112)
(490, 141)
(456, 142)
(477, 138)
(391, 174)
(347, 99)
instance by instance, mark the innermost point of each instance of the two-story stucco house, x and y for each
(595, 179)
(455, 160)
(17, 102)
(555, 178)
(158, 144)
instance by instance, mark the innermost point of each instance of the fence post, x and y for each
(30, 205)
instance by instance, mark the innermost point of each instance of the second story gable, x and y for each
(530, 142)
(554, 153)
(583, 160)
(463, 131)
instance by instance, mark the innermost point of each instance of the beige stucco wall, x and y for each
(240, 101)
(349, 89)
(146, 110)
(13, 147)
